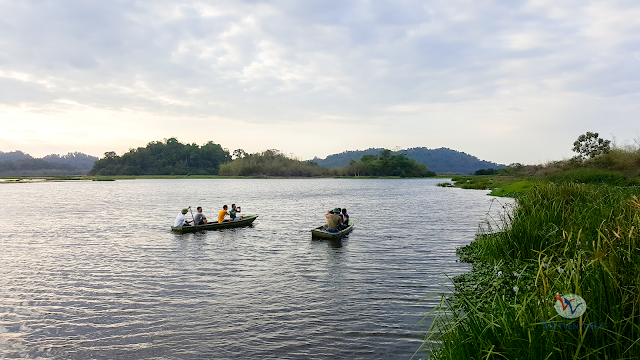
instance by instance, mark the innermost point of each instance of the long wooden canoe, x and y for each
(247, 220)
(322, 233)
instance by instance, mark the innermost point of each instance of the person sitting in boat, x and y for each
(222, 214)
(181, 219)
(333, 220)
(200, 218)
(345, 219)
(233, 213)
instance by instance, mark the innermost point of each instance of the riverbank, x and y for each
(505, 186)
(132, 177)
(560, 239)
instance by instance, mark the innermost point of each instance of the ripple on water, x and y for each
(99, 274)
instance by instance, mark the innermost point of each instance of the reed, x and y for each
(559, 239)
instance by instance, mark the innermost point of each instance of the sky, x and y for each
(506, 81)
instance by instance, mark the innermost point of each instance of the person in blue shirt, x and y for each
(234, 211)
(345, 218)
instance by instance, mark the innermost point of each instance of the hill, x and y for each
(442, 160)
(14, 156)
(17, 163)
(75, 159)
(37, 167)
(166, 157)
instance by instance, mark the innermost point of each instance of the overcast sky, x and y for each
(506, 81)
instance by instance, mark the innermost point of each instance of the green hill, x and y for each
(167, 157)
(442, 160)
(18, 163)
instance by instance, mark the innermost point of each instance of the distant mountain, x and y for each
(442, 160)
(36, 167)
(17, 163)
(14, 156)
(343, 158)
(75, 159)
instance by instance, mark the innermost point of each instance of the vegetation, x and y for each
(17, 163)
(270, 163)
(167, 157)
(617, 165)
(14, 156)
(560, 239)
(590, 145)
(275, 163)
(574, 230)
(386, 164)
(75, 159)
(36, 167)
(487, 172)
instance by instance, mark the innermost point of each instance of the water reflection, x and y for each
(114, 290)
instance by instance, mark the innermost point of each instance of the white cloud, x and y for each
(451, 73)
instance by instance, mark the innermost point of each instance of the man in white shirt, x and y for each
(181, 219)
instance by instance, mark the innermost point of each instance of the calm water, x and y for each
(92, 270)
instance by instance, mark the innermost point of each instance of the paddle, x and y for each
(194, 219)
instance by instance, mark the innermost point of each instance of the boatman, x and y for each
(333, 220)
(222, 214)
(181, 219)
(200, 218)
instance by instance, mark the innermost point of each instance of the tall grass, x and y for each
(622, 159)
(559, 239)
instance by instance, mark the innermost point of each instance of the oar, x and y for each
(194, 219)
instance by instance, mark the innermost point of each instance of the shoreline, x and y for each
(559, 240)
(18, 179)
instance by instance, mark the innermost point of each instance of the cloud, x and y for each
(278, 64)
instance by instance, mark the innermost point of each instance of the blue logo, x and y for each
(570, 306)
(559, 325)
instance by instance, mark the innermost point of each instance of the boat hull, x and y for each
(247, 220)
(321, 232)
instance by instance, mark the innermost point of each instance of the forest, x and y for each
(275, 163)
(387, 164)
(166, 157)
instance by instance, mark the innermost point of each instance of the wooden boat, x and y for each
(322, 233)
(247, 220)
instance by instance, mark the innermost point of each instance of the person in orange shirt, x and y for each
(224, 212)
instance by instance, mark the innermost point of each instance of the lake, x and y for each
(91, 269)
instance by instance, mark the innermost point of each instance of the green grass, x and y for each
(592, 176)
(513, 189)
(560, 238)
(508, 186)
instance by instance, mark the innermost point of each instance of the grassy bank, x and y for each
(563, 238)
(509, 186)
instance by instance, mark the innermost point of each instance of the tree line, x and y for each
(387, 164)
(275, 163)
(37, 167)
(166, 157)
(171, 157)
(17, 163)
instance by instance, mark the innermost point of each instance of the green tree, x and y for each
(166, 157)
(238, 153)
(387, 164)
(590, 145)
